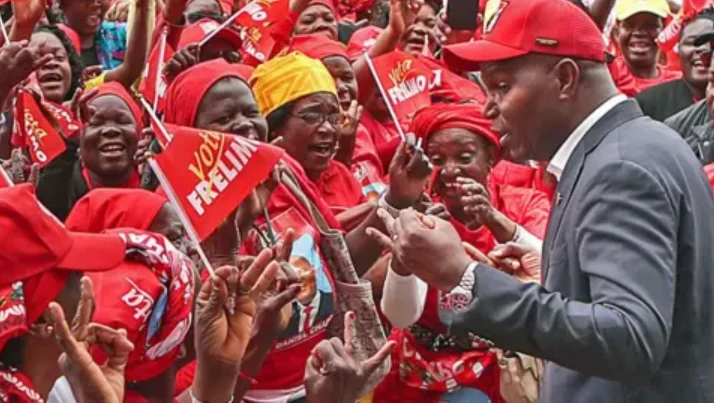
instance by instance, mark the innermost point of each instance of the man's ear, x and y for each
(568, 74)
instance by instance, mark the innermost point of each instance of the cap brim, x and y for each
(704, 38)
(231, 37)
(93, 252)
(636, 10)
(469, 56)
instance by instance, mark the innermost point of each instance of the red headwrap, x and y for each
(72, 36)
(116, 89)
(317, 46)
(108, 208)
(445, 116)
(188, 89)
(327, 3)
(362, 40)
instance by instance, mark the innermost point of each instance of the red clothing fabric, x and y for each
(317, 46)
(385, 137)
(624, 81)
(447, 116)
(338, 188)
(709, 170)
(366, 166)
(16, 387)
(107, 208)
(528, 208)
(640, 84)
(519, 175)
(284, 367)
(451, 87)
(149, 295)
(186, 91)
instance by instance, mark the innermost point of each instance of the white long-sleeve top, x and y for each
(404, 297)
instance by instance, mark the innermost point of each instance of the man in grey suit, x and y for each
(626, 309)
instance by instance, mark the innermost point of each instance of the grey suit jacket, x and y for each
(626, 310)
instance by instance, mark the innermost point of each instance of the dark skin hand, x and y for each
(409, 173)
(17, 61)
(332, 373)
(425, 246)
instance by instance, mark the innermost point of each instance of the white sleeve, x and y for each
(523, 237)
(403, 298)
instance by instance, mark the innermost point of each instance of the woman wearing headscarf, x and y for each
(355, 147)
(463, 148)
(107, 146)
(152, 302)
(320, 16)
(214, 97)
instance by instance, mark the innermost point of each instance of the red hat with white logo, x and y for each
(514, 28)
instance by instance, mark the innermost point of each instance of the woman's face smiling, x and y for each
(109, 141)
(55, 76)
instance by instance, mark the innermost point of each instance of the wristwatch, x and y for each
(460, 297)
(382, 203)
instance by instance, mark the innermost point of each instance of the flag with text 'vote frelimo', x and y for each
(405, 82)
(254, 20)
(34, 131)
(210, 173)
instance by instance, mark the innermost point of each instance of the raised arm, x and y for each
(137, 47)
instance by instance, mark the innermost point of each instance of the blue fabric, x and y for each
(110, 43)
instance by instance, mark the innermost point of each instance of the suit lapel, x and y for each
(618, 115)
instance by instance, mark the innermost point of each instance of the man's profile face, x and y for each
(523, 97)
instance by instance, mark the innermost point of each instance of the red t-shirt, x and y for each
(338, 188)
(640, 84)
(385, 137)
(519, 175)
(709, 170)
(366, 166)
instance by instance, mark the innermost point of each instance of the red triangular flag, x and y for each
(154, 82)
(405, 83)
(34, 131)
(254, 19)
(210, 173)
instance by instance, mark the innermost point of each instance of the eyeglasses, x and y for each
(313, 118)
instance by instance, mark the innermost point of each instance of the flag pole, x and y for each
(162, 53)
(6, 177)
(181, 213)
(226, 23)
(156, 120)
(384, 95)
(5, 36)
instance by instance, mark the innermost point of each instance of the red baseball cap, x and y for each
(514, 28)
(195, 33)
(37, 242)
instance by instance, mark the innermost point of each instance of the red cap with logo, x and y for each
(514, 28)
(195, 33)
(37, 255)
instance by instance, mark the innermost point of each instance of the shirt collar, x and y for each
(561, 157)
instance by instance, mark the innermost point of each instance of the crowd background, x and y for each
(293, 310)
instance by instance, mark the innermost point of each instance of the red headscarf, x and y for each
(327, 3)
(444, 116)
(108, 208)
(317, 46)
(116, 89)
(362, 40)
(72, 35)
(188, 88)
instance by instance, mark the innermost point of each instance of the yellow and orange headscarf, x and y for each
(287, 78)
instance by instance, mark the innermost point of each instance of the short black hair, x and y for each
(276, 119)
(75, 61)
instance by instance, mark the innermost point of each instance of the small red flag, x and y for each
(69, 126)
(154, 82)
(34, 130)
(210, 173)
(255, 18)
(404, 82)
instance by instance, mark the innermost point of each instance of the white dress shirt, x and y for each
(561, 157)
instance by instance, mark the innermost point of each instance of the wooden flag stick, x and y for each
(181, 213)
